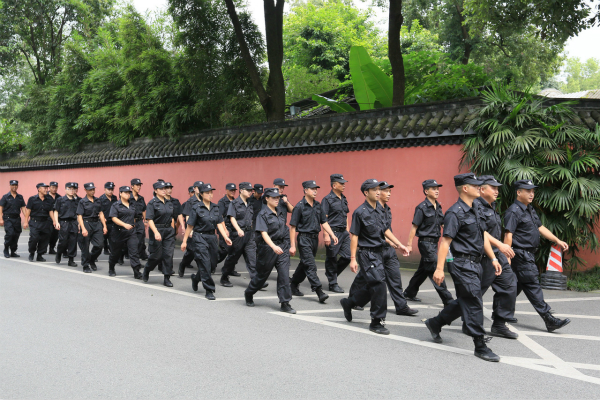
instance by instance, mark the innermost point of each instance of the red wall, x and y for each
(406, 168)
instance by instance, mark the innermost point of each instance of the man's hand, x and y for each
(228, 241)
(57, 226)
(438, 276)
(104, 230)
(353, 265)
(157, 237)
(284, 198)
(128, 227)
(183, 246)
(145, 222)
(1, 222)
(562, 245)
(506, 250)
(404, 250)
(409, 248)
(327, 240)
(84, 232)
(25, 225)
(293, 251)
(335, 240)
(277, 250)
(498, 267)
(240, 233)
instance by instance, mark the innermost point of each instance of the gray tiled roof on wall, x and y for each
(429, 124)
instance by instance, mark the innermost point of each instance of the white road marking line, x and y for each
(489, 303)
(560, 315)
(340, 310)
(310, 296)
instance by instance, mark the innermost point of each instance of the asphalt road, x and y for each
(66, 334)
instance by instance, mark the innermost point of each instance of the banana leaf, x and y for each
(337, 106)
(379, 83)
(364, 96)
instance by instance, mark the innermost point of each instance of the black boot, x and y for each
(136, 273)
(6, 253)
(210, 295)
(415, 298)
(285, 307)
(111, 270)
(347, 305)
(121, 261)
(407, 311)
(482, 351)
(57, 258)
(40, 258)
(51, 251)
(146, 274)
(194, 283)
(106, 252)
(336, 288)
(31, 255)
(434, 329)
(225, 281)
(322, 295)
(295, 290)
(167, 281)
(14, 254)
(181, 270)
(249, 299)
(235, 273)
(93, 266)
(71, 262)
(264, 286)
(377, 327)
(499, 329)
(87, 269)
(553, 323)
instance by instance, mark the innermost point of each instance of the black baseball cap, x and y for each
(39, 185)
(159, 185)
(207, 187)
(258, 188)
(230, 186)
(109, 185)
(525, 184)
(386, 185)
(279, 182)
(467, 179)
(337, 178)
(191, 189)
(198, 184)
(489, 180)
(70, 185)
(370, 184)
(14, 182)
(89, 186)
(136, 181)
(310, 185)
(272, 192)
(53, 183)
(75, 185)
(429, 183)
(246, 186)
(168, 185)
(125, 189)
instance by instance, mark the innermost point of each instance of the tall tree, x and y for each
(395, 51)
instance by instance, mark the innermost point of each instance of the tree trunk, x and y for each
(272, 99)
(395, 52)
(465, 34)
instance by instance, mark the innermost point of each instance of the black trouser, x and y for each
(39, 236)
(12, 232)
(333, 265)
(123, 239)
(426, 268)
(467, 276)
(241, 246)
(67, 237)
(188, 256)
(53, 238)
(161, 251)
(307, 268)
(205, 253)
(528, 280)
(95, 237)
(140, 231)
(393, 279)
(108, 238)
(266, 260)
(223, 251)
(371, 272)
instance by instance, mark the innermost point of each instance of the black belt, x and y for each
(40, 219)
(377, 249)
(429, 239)
(163, 225)
(135, 220)
(278, 242)
(12, 216)
(96, 219)
(310, 235)
(531, 250)
(338, 229)
(467, 257)
(204, 233)
(66, 220)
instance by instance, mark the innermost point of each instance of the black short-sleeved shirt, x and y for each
(159, 212)
(122, 212)
(203, 219)
(428, 219)
(307, 218)
(257, 206)
(56, 197)
(176, 207)
(11, 206)
(223, 204)
(523, 222)
(243, 213)
(336, 210)
(368, 225)
(386, 215)
(273, 223)
(106, 204)
(140, 205)
(465, 226)
(492, 218)
(189, 205)
(40, 208)
(89, 209)
(66, 207)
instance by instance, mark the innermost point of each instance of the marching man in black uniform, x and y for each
(204, 220)
(335, 207)
(12, 205)
(53, 194)
(93, 228)
(65, 221)
(465, 234)
(188, 255)
(523, 230)
(230, 192)
(159, 213)
(240, 215)
(39, 218)
(273, 252)
(140, 216)
(106, 201)
(368, 233)
(122, 214)
(307, 219)
(426, 225)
